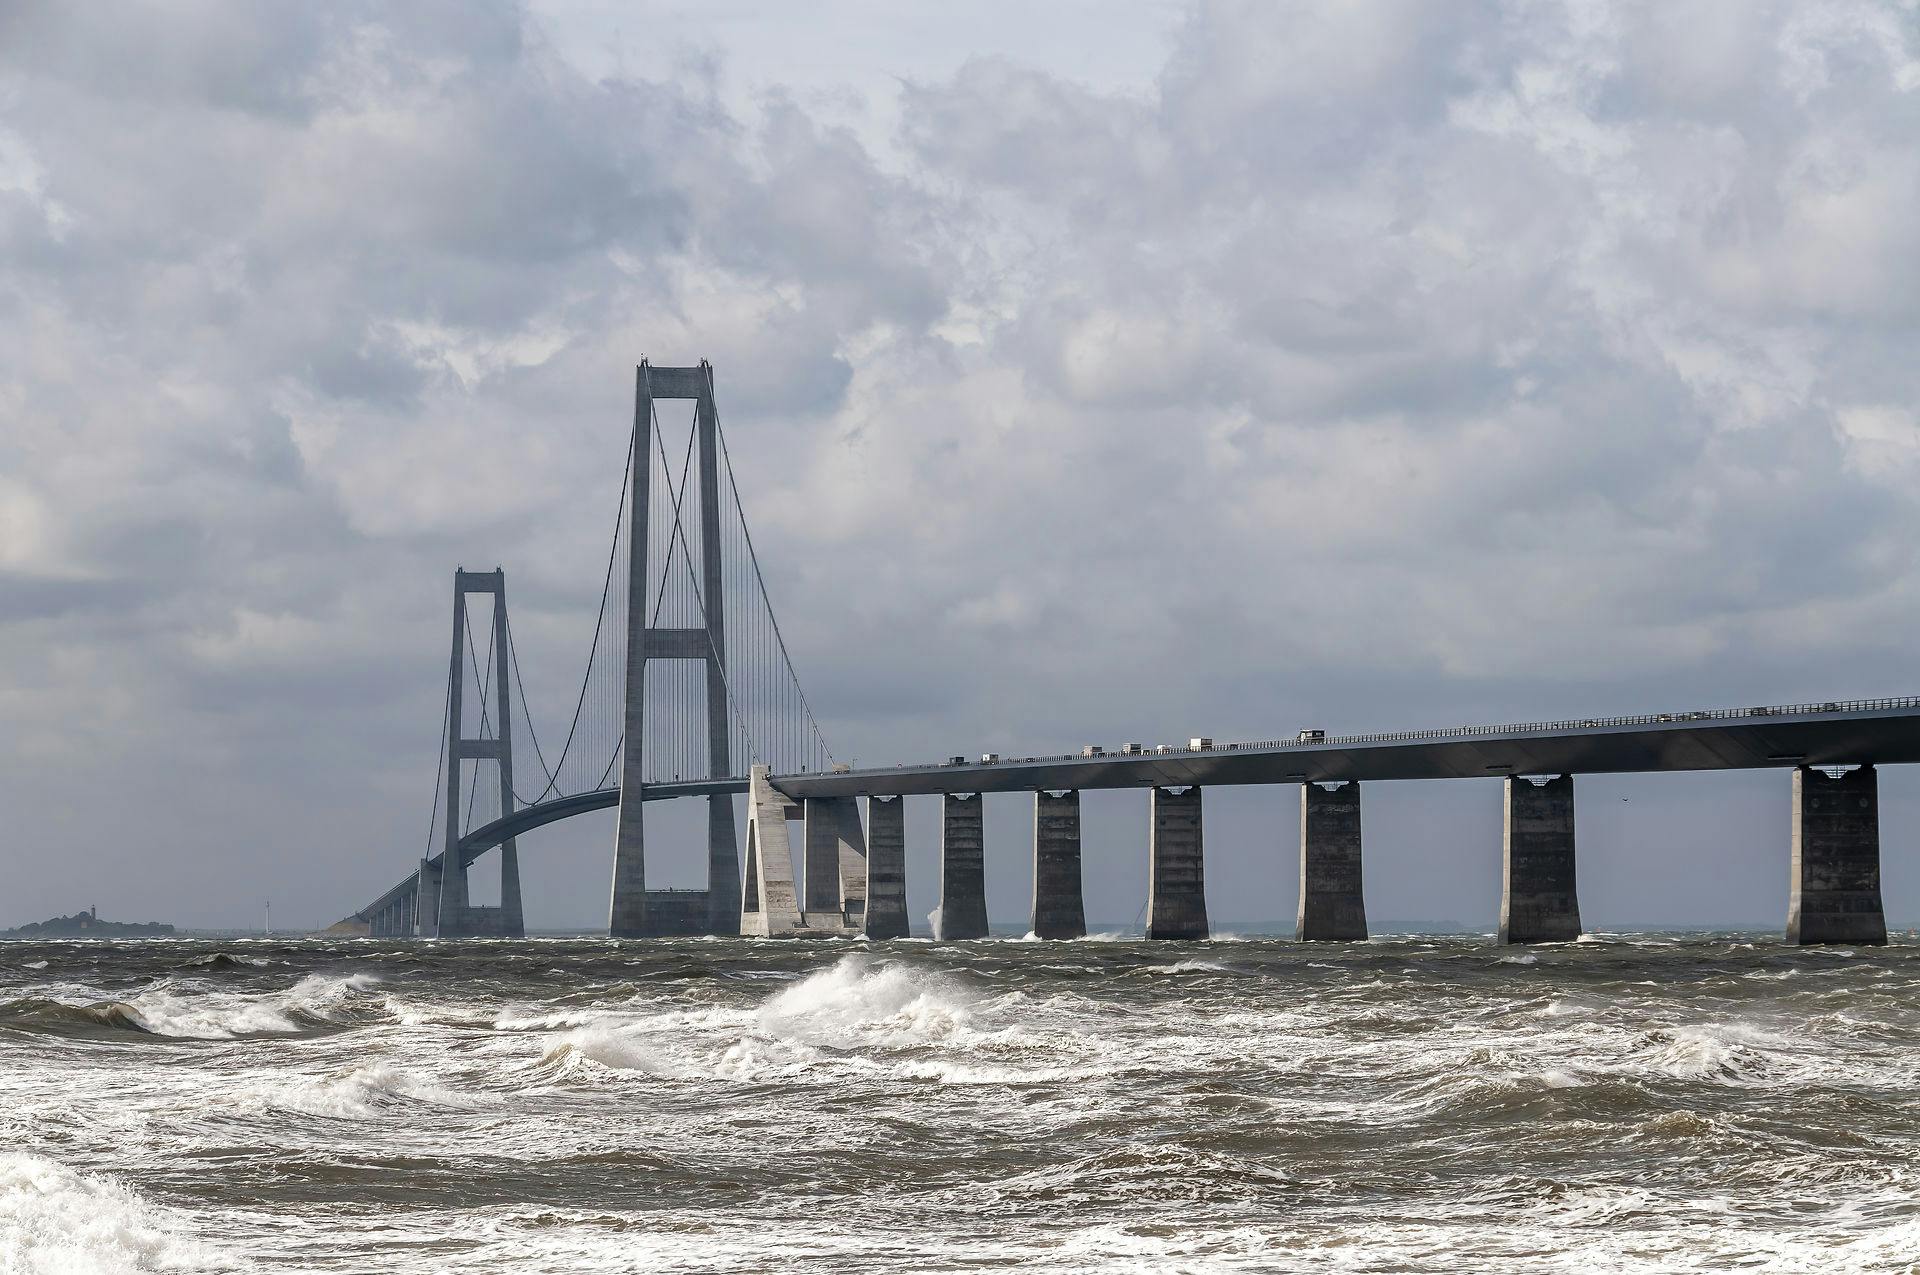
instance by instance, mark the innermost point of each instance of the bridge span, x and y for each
(1881, 732)
(689, 691)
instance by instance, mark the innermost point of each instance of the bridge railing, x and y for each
(1469, 732)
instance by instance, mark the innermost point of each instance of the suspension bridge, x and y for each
(686, 681)
(688, 691)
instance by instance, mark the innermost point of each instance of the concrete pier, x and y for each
(836, 854)
(1059, 910)
(1176, 885)
(1332, 905)
(886, 868)
(769, 905)
(451, 921)
(426, 901)
(627, 910)
(1835, 891)
(723, 868)
(820, 837)
(1539, 901)
(853, 868)
(399, 919)
(677, 913)
(963, 874)
(513, 921)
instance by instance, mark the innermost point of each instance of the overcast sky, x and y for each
(1092, 371)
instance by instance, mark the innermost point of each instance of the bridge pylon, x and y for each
(635, 911)
(442, 897)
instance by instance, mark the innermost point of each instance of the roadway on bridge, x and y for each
(1881, 732)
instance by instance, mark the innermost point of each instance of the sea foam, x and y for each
(54, 1219)
(315, 1001)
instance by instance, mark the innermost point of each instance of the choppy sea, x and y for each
(1629, 1102)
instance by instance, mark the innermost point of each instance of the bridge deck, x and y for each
(1881, 732)
(1858, 731)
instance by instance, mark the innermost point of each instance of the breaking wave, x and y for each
(54, 1219)
(57, 1018)
(861, 1018)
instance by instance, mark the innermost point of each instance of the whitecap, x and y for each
(858, 1000)
(1185, 967)
(53, 1218)
(317, 998)
(362, 1091)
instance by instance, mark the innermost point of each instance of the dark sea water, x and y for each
(1632, 1103)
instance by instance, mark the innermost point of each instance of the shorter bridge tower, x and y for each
(442, 897)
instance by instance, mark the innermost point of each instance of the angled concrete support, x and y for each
(1176, 886)
(769, 906)
(963, 882)
(1539, 902)
(1331, 903)
(1059, 911)
(1835, 894)
(886, 868)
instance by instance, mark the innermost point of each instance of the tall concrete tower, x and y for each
(637, 912)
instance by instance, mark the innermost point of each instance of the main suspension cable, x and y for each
(586, 678)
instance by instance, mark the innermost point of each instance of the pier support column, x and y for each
(426, 900)
(853, 868)
(1835, 894)
(723, 867)
(820, 842)
(886, 868)
(963, 874)
(1176, 886)
(1332, 905)
(1059, 911)
(1539, 902)
(836, 854)
(513, 920)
